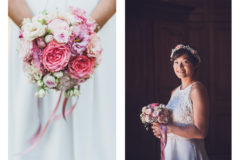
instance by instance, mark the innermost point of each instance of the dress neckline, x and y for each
(187, 86)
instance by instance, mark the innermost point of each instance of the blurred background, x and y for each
(153, 28)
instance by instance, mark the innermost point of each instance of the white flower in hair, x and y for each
(181, 46)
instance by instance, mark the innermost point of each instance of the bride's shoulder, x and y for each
(198, 88)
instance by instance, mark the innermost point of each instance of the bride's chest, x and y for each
(182, 110)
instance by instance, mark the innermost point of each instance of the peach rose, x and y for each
(94, 49)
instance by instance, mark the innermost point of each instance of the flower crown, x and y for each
(181, 46)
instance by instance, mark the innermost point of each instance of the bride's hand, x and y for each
(156, 129)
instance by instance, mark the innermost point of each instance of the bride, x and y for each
(87, 134)
(190, 109)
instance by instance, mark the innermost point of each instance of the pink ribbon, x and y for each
(38, 134)
(31, 141)
(36, 141)
(69, 111)
(163, 140)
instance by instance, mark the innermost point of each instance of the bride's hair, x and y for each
(191, 53)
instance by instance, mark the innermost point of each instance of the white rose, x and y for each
(162, 105)
(148, 111)
(142, 118)
(69, 93)
(49, 81)
(147, 118)
(41, 93)
(58, 74)
(40, 83)
(76, 92)
(48, 38)
(144, 109)
(33, 30)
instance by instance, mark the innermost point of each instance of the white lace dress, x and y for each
(180, 148)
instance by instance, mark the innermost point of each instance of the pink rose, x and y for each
(81, 67)
(94, 49)
(153, 105)
(56, 56)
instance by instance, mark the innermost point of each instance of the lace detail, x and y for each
(181, 106)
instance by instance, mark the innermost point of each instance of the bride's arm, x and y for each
(103, 11)
(199, 130)
(17, 10)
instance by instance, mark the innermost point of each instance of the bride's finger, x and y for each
(155, 124)
(157, 135)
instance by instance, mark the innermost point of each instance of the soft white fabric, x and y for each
(180, 148)
(89, 133)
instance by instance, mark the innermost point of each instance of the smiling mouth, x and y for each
(180, 71)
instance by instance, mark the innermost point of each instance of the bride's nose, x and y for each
(180, 65)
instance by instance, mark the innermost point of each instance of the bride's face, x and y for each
(183, 68)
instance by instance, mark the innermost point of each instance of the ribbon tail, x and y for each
(31, 141)
(69, 111)
(64, 107)
(163, 142)
(45, 128)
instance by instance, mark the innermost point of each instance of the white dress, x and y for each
(177, 147)
(89, 133)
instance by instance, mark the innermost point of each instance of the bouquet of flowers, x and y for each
(158, 113)
(154, 112)
(60, 50)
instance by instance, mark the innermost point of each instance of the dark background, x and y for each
(153, 28)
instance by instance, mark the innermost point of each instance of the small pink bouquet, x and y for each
(154, 112)
(60, 50)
